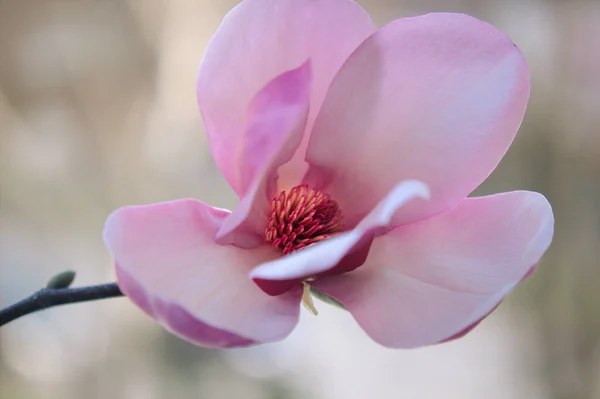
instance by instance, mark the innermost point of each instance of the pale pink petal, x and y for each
(168, 264)
(275, 124)
(470, 328)
(438, 98)
(259, 40)
(339, 254)
(177, 320)
(428, 281)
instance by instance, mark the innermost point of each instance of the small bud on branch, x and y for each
(57, 293)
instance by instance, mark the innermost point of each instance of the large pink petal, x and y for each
(168, 264)
(438, 98)
(257, 41)
(339, 254)
(274, 128)
(470, 328)
(428, 281)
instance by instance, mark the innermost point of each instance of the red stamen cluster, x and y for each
(300, 217)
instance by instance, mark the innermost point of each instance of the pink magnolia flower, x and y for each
(326, 127)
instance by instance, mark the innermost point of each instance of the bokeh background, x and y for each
(98, 110)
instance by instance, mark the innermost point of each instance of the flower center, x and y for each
(302, 216)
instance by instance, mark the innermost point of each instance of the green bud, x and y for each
(61, 280)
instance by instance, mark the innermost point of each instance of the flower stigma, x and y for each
(302, 216)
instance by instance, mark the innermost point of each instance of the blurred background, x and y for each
(98, 110)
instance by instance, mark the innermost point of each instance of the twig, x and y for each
(49, 297)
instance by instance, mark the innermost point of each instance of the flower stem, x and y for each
(307, 299)
(49, 297)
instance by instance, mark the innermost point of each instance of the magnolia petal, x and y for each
(176, 319)
(259, 40)
(438, 98)
(470, 328)
(429, 281)
(275, 125)
(168, 264)
(339, 254)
